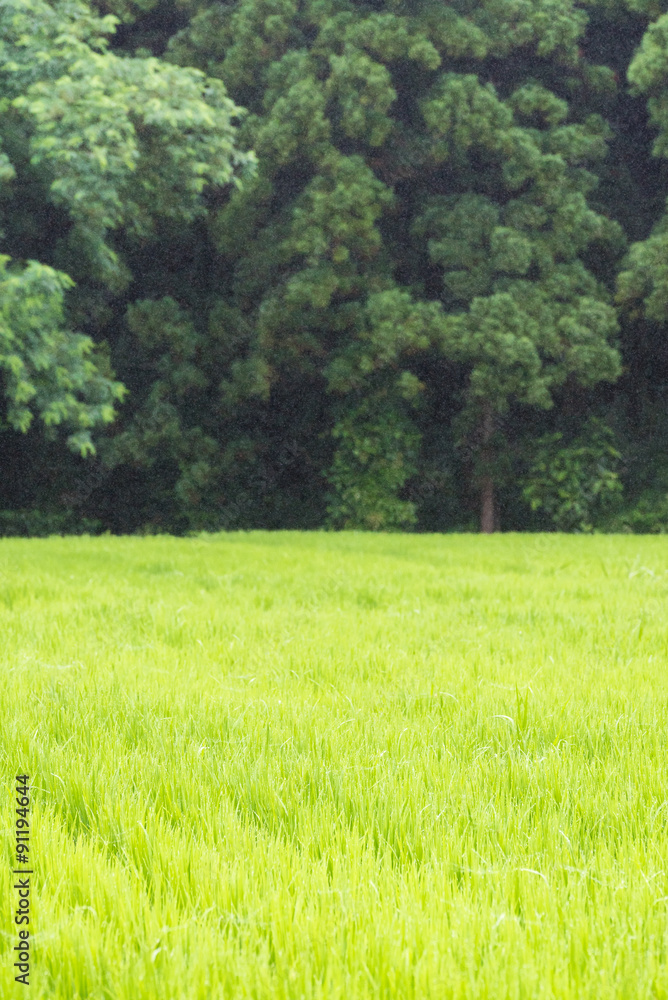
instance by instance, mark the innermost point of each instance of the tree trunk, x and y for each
(487, 513)
(488, 521)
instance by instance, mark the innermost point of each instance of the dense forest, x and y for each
(383, 265)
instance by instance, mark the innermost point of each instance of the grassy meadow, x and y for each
(318, 766)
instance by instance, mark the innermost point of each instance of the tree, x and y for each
(413, 289)
(94, 145)
(47, 369)
(534, 315)
(644, 278)
(385, 158)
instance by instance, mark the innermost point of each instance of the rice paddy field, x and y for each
(303, 766)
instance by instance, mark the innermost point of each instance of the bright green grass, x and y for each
(339, 766)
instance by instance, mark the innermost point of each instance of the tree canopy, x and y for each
(366, 265)
(93, 143)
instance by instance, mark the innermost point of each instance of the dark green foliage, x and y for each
(44, 367)
(408, 303)
(577, 482)
(104, 147)
(42, 524)
(376, 454)
(361, 119)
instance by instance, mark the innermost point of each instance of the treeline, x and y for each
(392, 265)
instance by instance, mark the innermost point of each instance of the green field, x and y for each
(339, 765)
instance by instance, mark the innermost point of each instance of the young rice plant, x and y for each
(339, 766)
